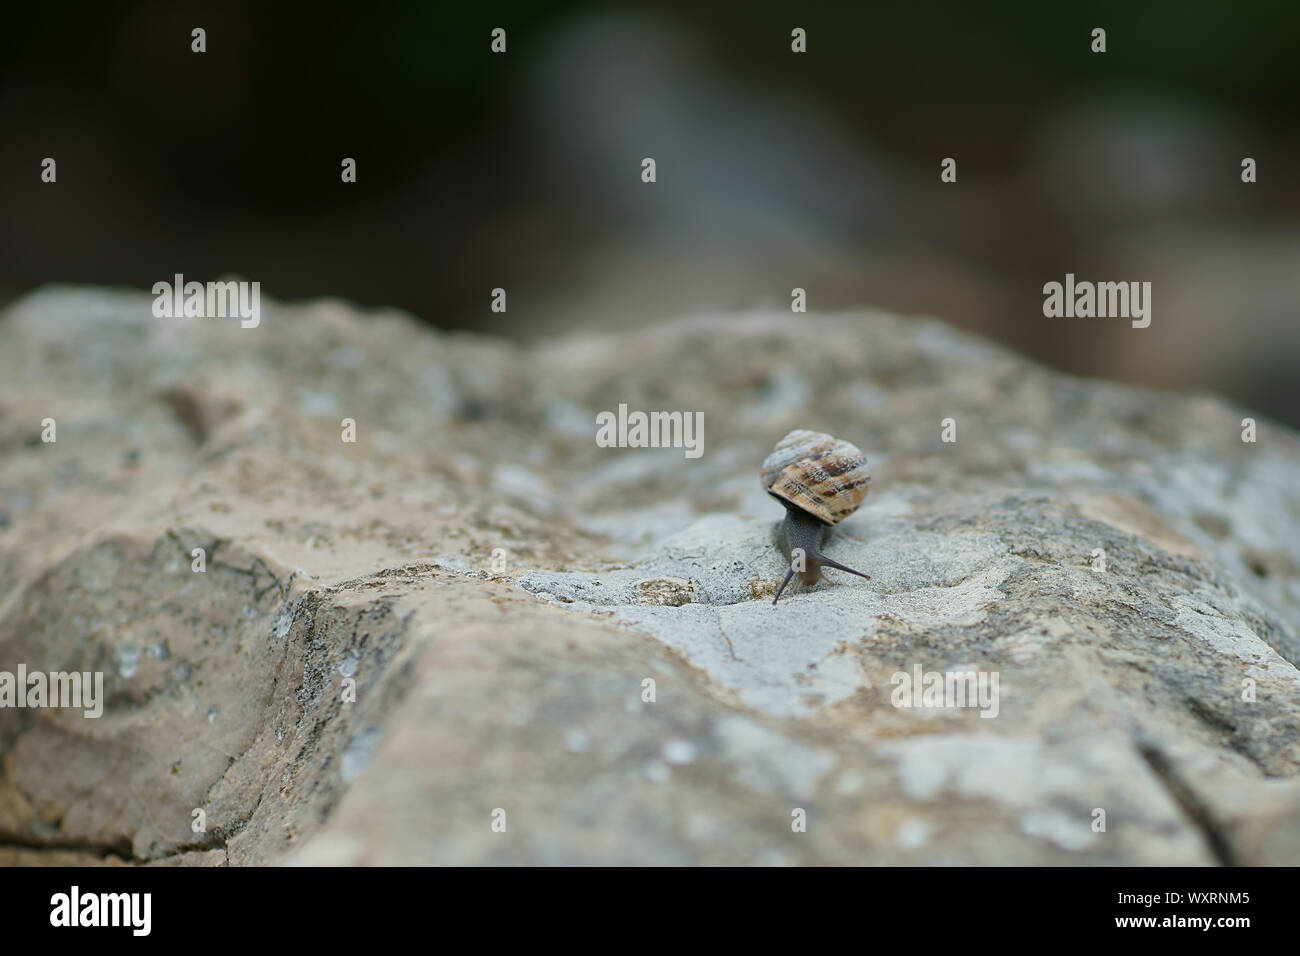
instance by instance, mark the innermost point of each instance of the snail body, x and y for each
(820, 480)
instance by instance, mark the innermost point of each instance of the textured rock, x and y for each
(500, 589)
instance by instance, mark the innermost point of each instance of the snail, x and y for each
(821, 480)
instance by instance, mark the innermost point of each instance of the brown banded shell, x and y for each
(822, 475)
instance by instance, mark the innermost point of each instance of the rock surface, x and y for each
(501, 589)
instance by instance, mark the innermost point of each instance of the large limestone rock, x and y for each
(1162, 690)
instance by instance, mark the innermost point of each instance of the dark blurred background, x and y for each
(775, 170)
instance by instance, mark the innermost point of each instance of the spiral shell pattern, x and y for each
(822, 475)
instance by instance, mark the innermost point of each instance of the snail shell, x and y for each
(817, 473)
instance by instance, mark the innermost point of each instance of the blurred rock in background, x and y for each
(775, 170)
